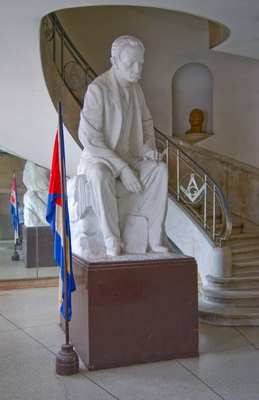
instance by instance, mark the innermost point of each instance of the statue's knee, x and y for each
(99, 173)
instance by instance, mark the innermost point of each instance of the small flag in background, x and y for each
(14, 208)
(54, 216)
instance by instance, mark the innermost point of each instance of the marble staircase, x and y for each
(234, 300)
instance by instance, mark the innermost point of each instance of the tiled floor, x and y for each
(30, 338)
(16, 269)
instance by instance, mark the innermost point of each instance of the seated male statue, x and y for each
(116, 130)
(36, 180)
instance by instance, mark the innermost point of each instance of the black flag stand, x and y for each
(67, 362)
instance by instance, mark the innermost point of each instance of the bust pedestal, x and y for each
(132, 312)
(193, 137)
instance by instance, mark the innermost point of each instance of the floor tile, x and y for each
(43, 334)
(251, 333)
(16, 342)
(202, 394)
(225, 368)
(6, 325)
(16, 269)
(220, 338)
(34, 378)
(44, 272)
(31, 307)
(240, 391)
(155, 381)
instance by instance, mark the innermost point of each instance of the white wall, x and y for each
(172, 40)
(192, 241)
(28, 118)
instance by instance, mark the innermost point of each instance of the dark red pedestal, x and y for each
(134, 312)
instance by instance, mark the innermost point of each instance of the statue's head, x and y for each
(196, 117)
(127, 58)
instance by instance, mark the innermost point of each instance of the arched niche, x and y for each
(191, 88)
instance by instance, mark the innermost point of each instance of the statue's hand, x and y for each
(152, 155)
(130, 180)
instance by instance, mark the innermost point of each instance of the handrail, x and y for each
(188, 182)
(190, 185)
(73, 68)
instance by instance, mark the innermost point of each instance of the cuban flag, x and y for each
(62, 236)
(14, 209)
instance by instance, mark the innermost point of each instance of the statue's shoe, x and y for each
(158, 248)
(113, 251)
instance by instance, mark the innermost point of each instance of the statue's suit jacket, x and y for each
(101, 123)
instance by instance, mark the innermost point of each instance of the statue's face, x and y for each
(196, 118)
(129, 64)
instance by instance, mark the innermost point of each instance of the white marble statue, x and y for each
(36, 180)
(120, 174)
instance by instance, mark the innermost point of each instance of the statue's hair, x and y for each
(121, 42)
(197, 110)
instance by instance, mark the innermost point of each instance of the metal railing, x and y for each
(189, 183)
(73, 68)
(191, 186)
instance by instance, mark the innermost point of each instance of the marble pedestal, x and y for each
(132, 312)
(38, 246)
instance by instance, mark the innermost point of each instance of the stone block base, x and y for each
(132, 312)
(38, 246)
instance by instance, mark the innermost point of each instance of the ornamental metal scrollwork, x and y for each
(192, 188)
(48, 29)
(75, 75)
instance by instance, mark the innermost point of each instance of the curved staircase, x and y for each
(234, 300)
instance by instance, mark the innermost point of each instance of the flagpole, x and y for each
(15, 255)
(67, 362)
(63, 200)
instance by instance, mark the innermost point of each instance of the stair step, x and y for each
(245, 272)
(239, 249)
(245, 265)
(244, 235)
(237, 227)
(237, 298)
(228, 316)
(217, 216)
(233, 283)
(246, 261)
(242, 239)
